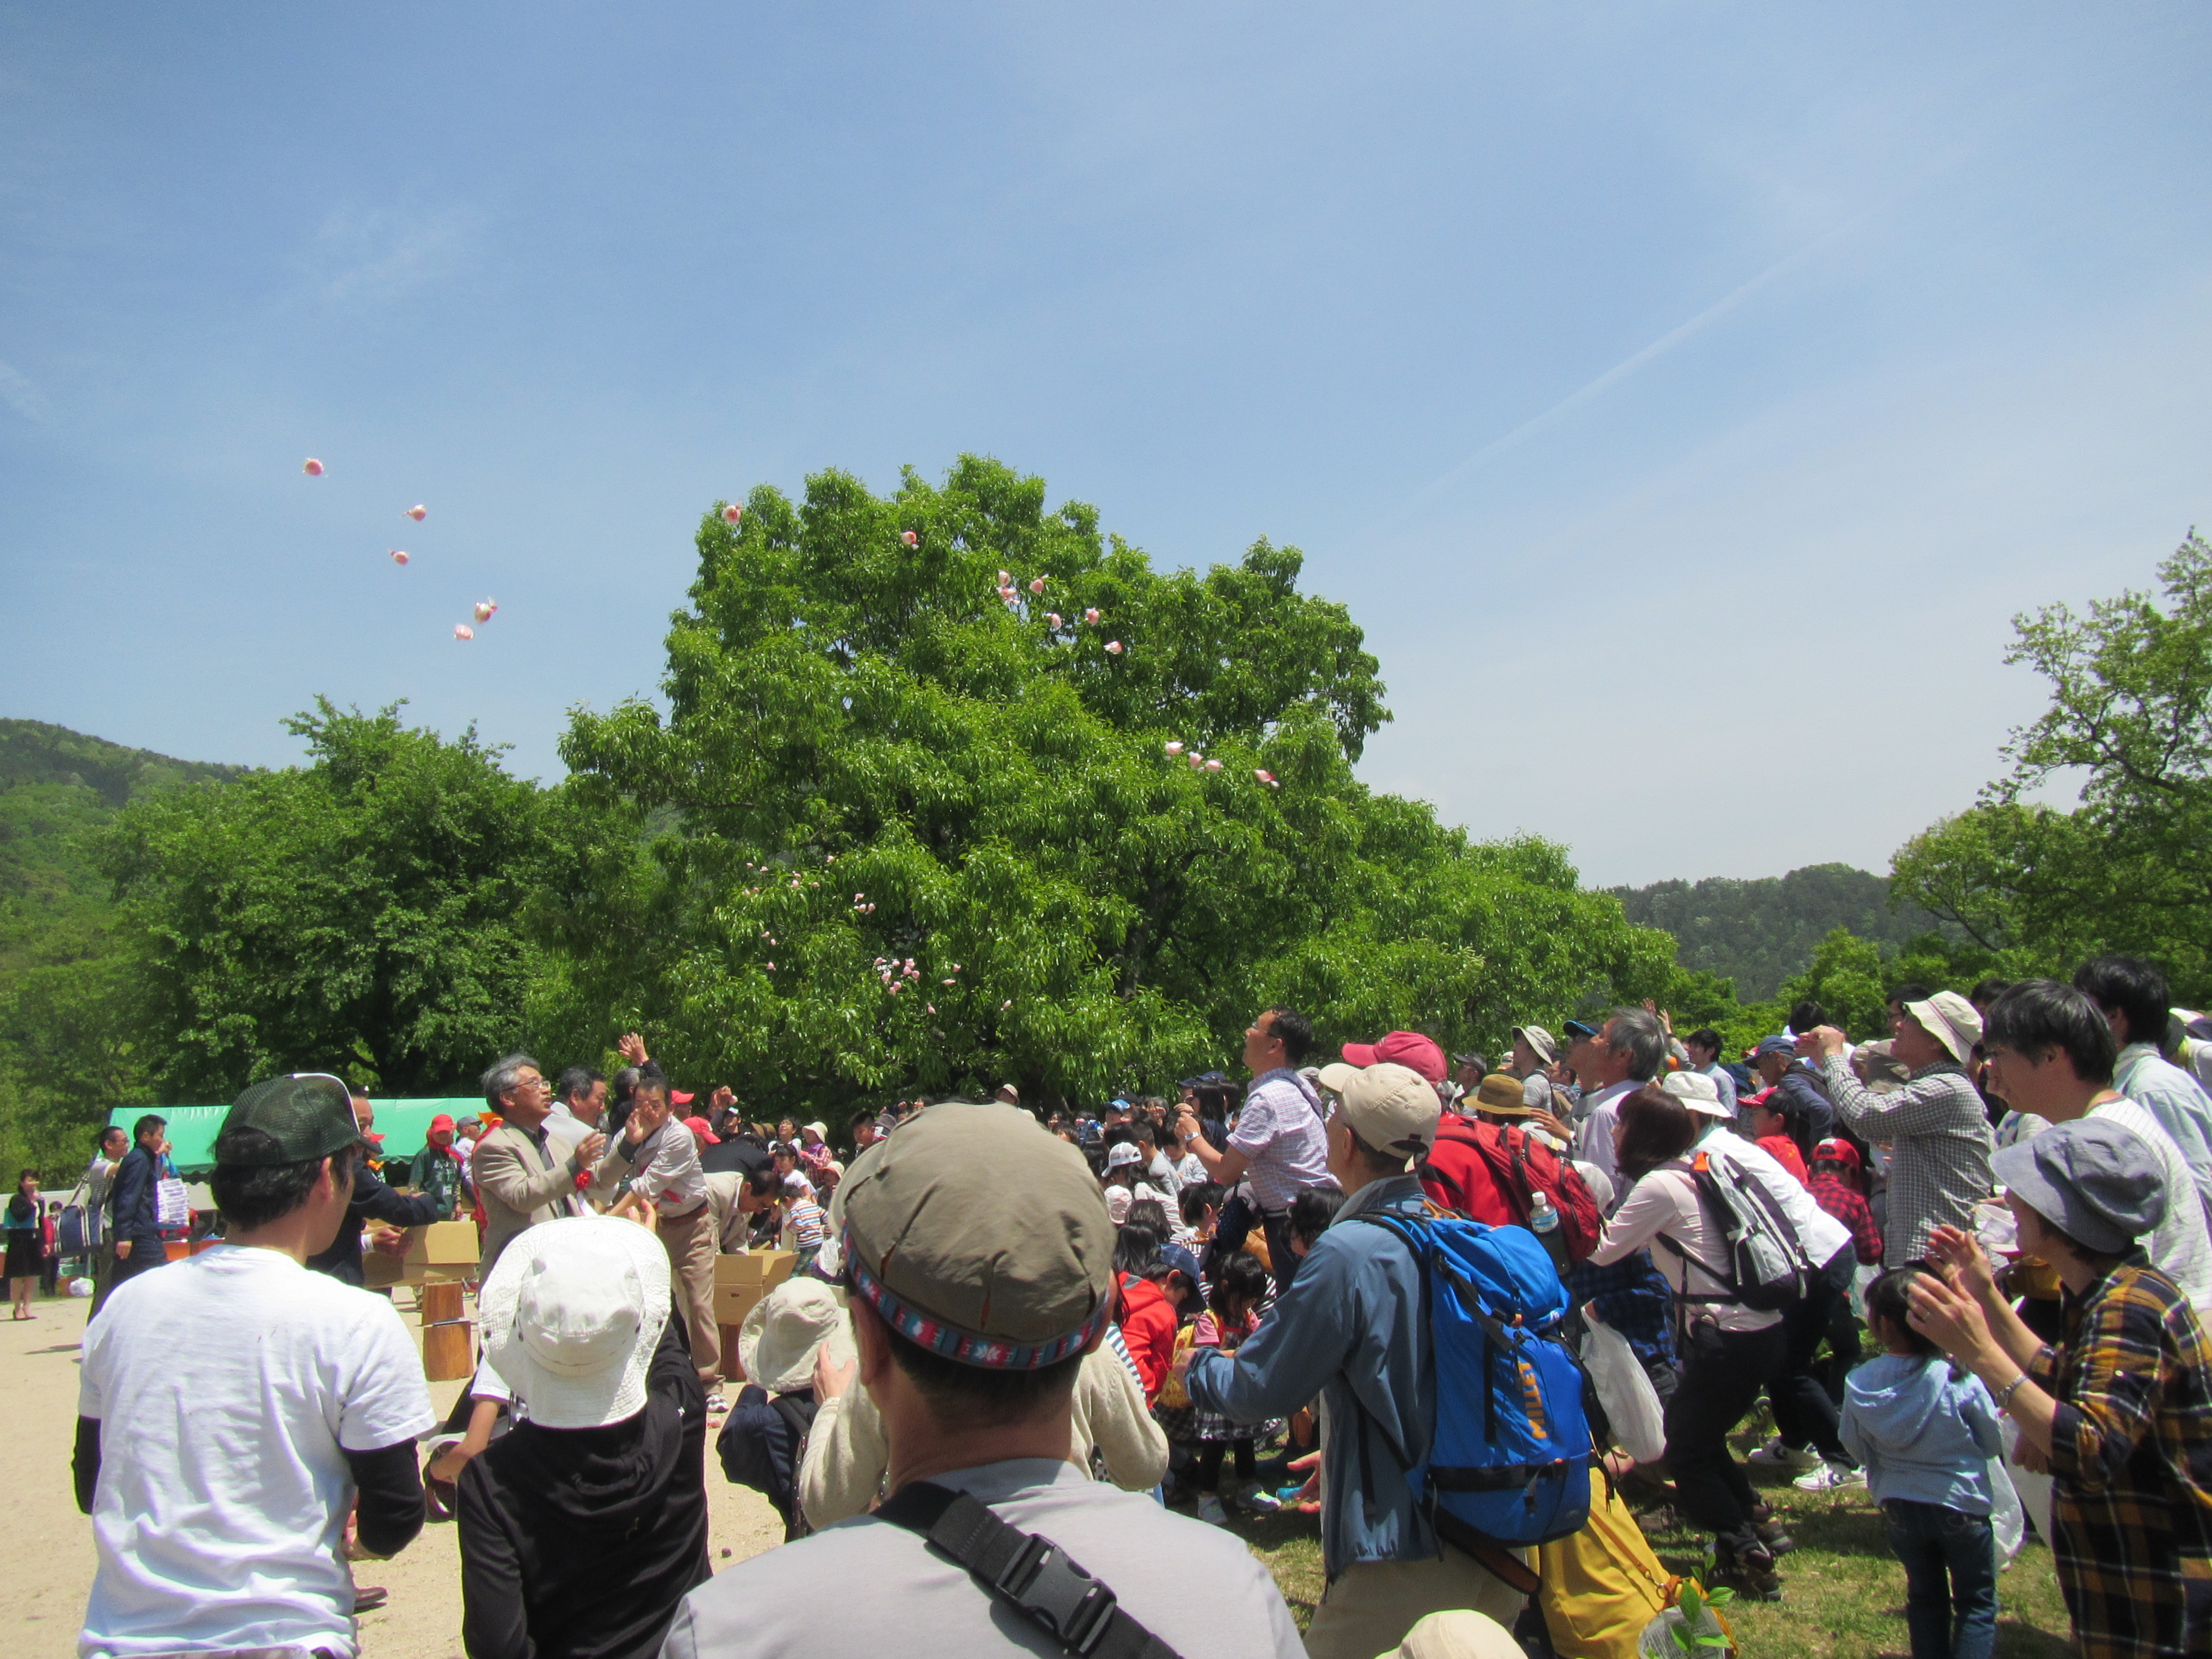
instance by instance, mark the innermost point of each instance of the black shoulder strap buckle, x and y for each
(1028, 1571)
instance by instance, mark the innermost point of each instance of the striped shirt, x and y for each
(1939, 1145)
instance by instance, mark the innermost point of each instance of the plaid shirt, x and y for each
(1939, 1145)
(1634, 1297)
(2132, 1464)
(1848, 1205)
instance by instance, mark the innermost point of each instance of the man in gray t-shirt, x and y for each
(979, 1262)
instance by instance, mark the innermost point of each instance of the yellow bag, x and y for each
(1603, 1585)
(1173, 1395)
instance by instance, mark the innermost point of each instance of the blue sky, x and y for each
(1682, 395)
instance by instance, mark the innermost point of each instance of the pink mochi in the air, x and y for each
(1005, 579)
(1266, 777)
(1213, 766)
(909, 538)
(418, 512)
(1197, 760)
(398, 558)
(1091, 615)
(1052, 619)
(1112, 648)
(1175, 748)
(1037, 585)
(484, 608)
(313, 468)
(463, 631)
(732, 512)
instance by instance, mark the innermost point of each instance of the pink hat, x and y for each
(1407, 1049)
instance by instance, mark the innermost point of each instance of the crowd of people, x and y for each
(1029, 1362)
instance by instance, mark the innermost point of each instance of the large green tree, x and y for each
(361, 914)
(953, 788)
(2130, 868)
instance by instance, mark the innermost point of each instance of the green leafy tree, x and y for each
(911, 822)
(361, 914)
(2130, 868)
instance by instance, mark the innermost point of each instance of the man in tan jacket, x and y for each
(520, 1178)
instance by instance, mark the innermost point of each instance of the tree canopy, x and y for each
(953, 788)
(2130, 868)
(361, 913)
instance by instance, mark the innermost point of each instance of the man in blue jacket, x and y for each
(1351, 1328)
(138, 1247)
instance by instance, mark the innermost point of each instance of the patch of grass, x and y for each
(1842, 1592)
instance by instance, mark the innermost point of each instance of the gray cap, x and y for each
(2093, 1179)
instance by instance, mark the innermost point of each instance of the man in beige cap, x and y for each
(978, 1265)
(1935, 1127)
(1352, 1329)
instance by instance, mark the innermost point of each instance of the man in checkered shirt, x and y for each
(1936, 1128)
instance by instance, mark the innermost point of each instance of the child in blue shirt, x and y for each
(1926, 1436)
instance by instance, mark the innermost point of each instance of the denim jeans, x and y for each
(1953, 1620)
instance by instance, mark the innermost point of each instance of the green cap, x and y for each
(287, 1119)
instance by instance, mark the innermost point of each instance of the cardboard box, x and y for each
(444, 1250)
(741, 1282)
(766, 1268)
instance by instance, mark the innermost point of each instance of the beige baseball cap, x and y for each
(1393, 1108)
(978, 1234)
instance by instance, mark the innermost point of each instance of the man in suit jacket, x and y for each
(138, 1247)
(522, 1177)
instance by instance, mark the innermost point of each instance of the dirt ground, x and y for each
(50, 1554)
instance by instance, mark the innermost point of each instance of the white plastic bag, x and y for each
(2034, 1489)
(1631, 1403)
(172, 1207)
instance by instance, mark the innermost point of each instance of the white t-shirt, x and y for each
(1189, 1172)
(230, 1387)
(2179, 1247)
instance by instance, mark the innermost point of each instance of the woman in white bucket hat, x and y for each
(582, 1528)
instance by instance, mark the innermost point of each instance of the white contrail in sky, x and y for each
(1629, 365)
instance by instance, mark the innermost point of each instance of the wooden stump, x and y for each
(448, 1348)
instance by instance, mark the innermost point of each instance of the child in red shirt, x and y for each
(1838, 1186)
(1770, 1132)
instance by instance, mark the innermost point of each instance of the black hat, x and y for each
(287, 1119)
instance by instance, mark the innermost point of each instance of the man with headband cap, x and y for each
(1354, 1330)
(978, 1258)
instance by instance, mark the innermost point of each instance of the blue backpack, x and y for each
(1511, 1457)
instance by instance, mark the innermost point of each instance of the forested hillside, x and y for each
(61, 994)
(1760, 933)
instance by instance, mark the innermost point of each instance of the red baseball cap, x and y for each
(1408, 1048)
(440, 1121)
(677, 1097)
(697, 1126)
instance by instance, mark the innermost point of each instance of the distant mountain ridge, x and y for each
(55, 785)
(1760, 932)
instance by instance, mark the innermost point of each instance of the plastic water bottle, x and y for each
(1544, 1222)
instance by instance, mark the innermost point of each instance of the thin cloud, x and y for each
(20, 395)
(378, 255)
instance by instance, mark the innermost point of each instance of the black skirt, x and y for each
(24, 1256)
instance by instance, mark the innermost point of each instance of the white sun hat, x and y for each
(571, 1316)
(1696, 1091)
(786, 1330)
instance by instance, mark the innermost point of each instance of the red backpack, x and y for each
(1491, 1173)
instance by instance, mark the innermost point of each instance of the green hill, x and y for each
(1758, 932)
(55, 785)
(65, 1056)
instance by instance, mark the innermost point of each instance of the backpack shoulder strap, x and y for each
(1027, 1572)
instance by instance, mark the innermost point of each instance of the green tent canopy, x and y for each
(405, 1125)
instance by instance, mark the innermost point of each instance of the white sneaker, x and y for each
(1776, 1455)
(1830, 1477)
(1210, 1511)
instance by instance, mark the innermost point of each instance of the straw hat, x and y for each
(571, 1316)
(786, 1328)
